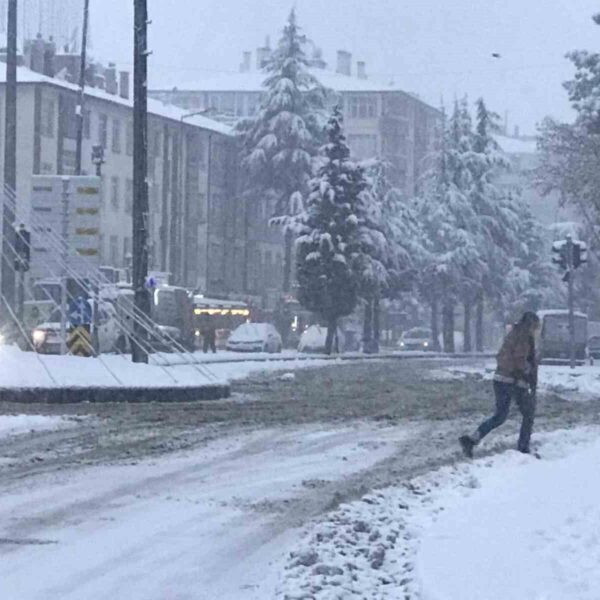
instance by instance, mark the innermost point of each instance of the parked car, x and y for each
(313, 339)
(255, 337)
(594, 346)
(417, 338)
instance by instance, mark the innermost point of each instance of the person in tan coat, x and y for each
(515, 378)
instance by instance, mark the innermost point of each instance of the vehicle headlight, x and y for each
(402, 344)
(197, 333)
(39, 336)
(425, 344)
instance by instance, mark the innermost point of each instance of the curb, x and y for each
(72, 395)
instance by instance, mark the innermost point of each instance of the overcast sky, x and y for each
(432, 47)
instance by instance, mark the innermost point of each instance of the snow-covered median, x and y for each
(19, 369)
(502, 528)
(17, 424)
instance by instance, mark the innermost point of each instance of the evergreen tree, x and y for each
(388, 231)
(496, 214)
(280, 142)
(328, 244)
(449, 225)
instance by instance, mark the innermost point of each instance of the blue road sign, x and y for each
(80, 312)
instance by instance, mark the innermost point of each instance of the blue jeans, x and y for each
(504, 392)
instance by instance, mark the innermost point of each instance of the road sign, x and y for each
(80, 342)
(80, 312)
(65, 204)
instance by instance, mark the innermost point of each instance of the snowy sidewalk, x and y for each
(531, 530)
(503, 528)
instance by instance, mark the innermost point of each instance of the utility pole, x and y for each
(64, 259)
(10, 157)
(570, 282)
(140, 179)
(81, 94)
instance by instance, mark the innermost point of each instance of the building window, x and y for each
(103, 130)
(114, 191)
(126, 250)
(362, 107)
(47, 121)
(113, 250)
(116, 136)
(68, 162)
(156, 141)
(363, 146)
(87, 122)
(129, 138)
(128, 196)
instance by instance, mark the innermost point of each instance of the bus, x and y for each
(225, 315)
(555, 338)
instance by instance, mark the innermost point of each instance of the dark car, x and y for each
(594, 346)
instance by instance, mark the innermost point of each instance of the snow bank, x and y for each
(17, 424)
(24, 369)
(502, 528)
(529, 530)
(581, 383)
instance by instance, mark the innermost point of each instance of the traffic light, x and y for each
(579, 254)
(559, 254)
(22, 248)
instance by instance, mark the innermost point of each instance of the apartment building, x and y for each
(381, 119)
(197, 222)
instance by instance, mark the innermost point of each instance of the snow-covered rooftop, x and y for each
(155, 107)
(252, 81)
(514, 145)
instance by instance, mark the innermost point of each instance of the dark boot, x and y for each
(467, 444)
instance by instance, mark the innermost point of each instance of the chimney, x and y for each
(34, 51)
(110, 74)
(49, 57)
(124, 84)
(245, 66)
(361, 69)
(344, 63)
(263, 54)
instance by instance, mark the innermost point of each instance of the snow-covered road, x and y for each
(188, 526)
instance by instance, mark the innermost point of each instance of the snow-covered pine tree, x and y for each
(389, 240)
(496, 214)
(328, 238)
(448, 223)
(532, 282)
(281, 140)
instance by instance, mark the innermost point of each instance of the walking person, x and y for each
(209, 334)
(515, 378)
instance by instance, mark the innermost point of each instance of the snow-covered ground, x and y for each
(502, 528)
(18, 424)
(194, 526)
(581, 383)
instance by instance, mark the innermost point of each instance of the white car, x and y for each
(255, 337)
(313, 339)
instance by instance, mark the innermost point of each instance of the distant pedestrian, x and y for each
(515, 378)
(209, 334)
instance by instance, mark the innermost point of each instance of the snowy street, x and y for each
(223, 499)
